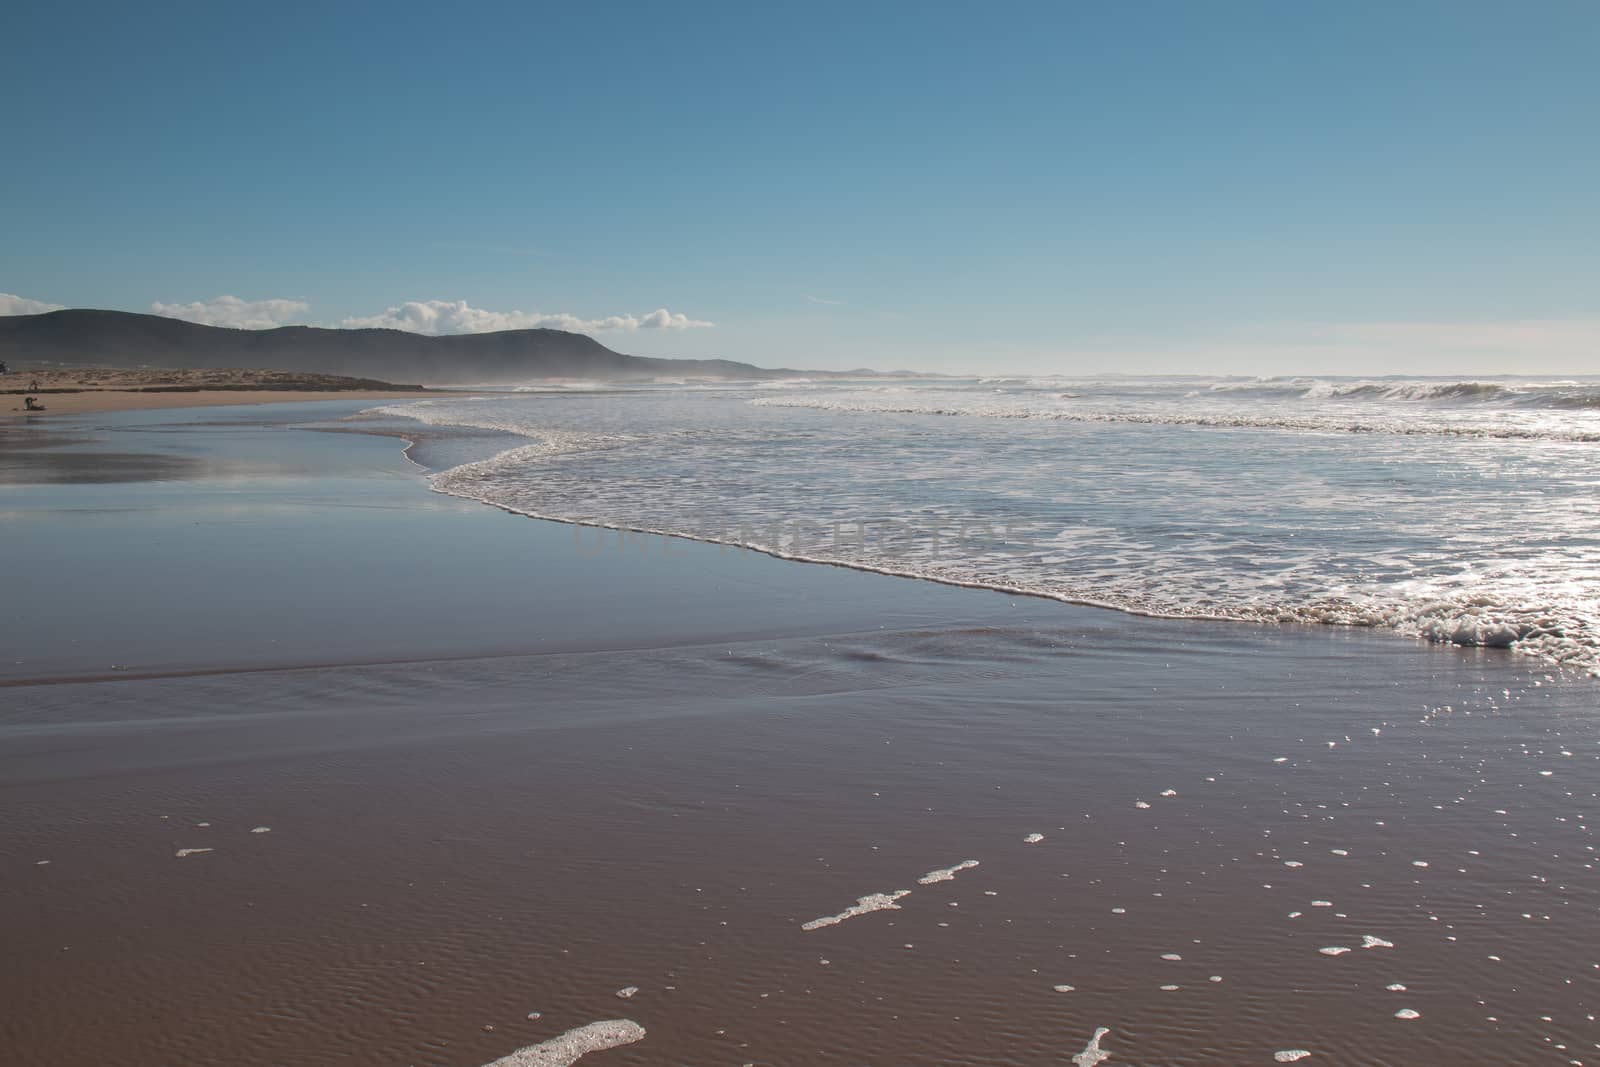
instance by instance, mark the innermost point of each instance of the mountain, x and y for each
(125, 339)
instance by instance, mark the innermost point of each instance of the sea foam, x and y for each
(946, 874)
(1452, 511)
(863, 906)
(573, 1045)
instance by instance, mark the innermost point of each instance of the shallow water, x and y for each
(1457, 511)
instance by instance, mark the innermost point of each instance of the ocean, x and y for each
(1458, 511)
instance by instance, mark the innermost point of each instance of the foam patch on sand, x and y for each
(1290, 1055)
(182, 852)
(571, 1046)
(946, 874)
(1033, 839)
(863, 906)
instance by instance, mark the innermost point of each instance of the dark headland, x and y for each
(82, 336)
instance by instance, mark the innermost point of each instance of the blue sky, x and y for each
(1234, 187)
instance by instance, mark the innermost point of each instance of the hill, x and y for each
(87, 337)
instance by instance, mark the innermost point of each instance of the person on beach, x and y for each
(30, 403)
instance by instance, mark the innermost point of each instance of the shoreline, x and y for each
(415, 433)
(91, 390)
(349, 481)
(104, 401)
(1266, 621)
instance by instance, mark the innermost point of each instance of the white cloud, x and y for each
(11, 304)
(234, 312)
(662, 319)
(457, 316)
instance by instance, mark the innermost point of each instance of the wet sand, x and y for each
(447, 781)
(97, 390)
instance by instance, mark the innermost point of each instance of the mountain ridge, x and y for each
(91, 336)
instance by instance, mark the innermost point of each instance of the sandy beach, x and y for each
(305, 764)
(88, 391)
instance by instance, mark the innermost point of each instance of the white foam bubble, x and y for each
(1290, 1055)
(1171, 957)
(1092, 1052)
(1395, 987)
(1368, 941)
(1033, 839)
(182, 852)
(946, 874)
(262, 830)
(571, 1046)
(863, 906)
(1063, 988)
(1333, 950)
(627, 991)
(1407, 1013)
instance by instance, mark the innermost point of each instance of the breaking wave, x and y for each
(1529, 410)
(1566, 394)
